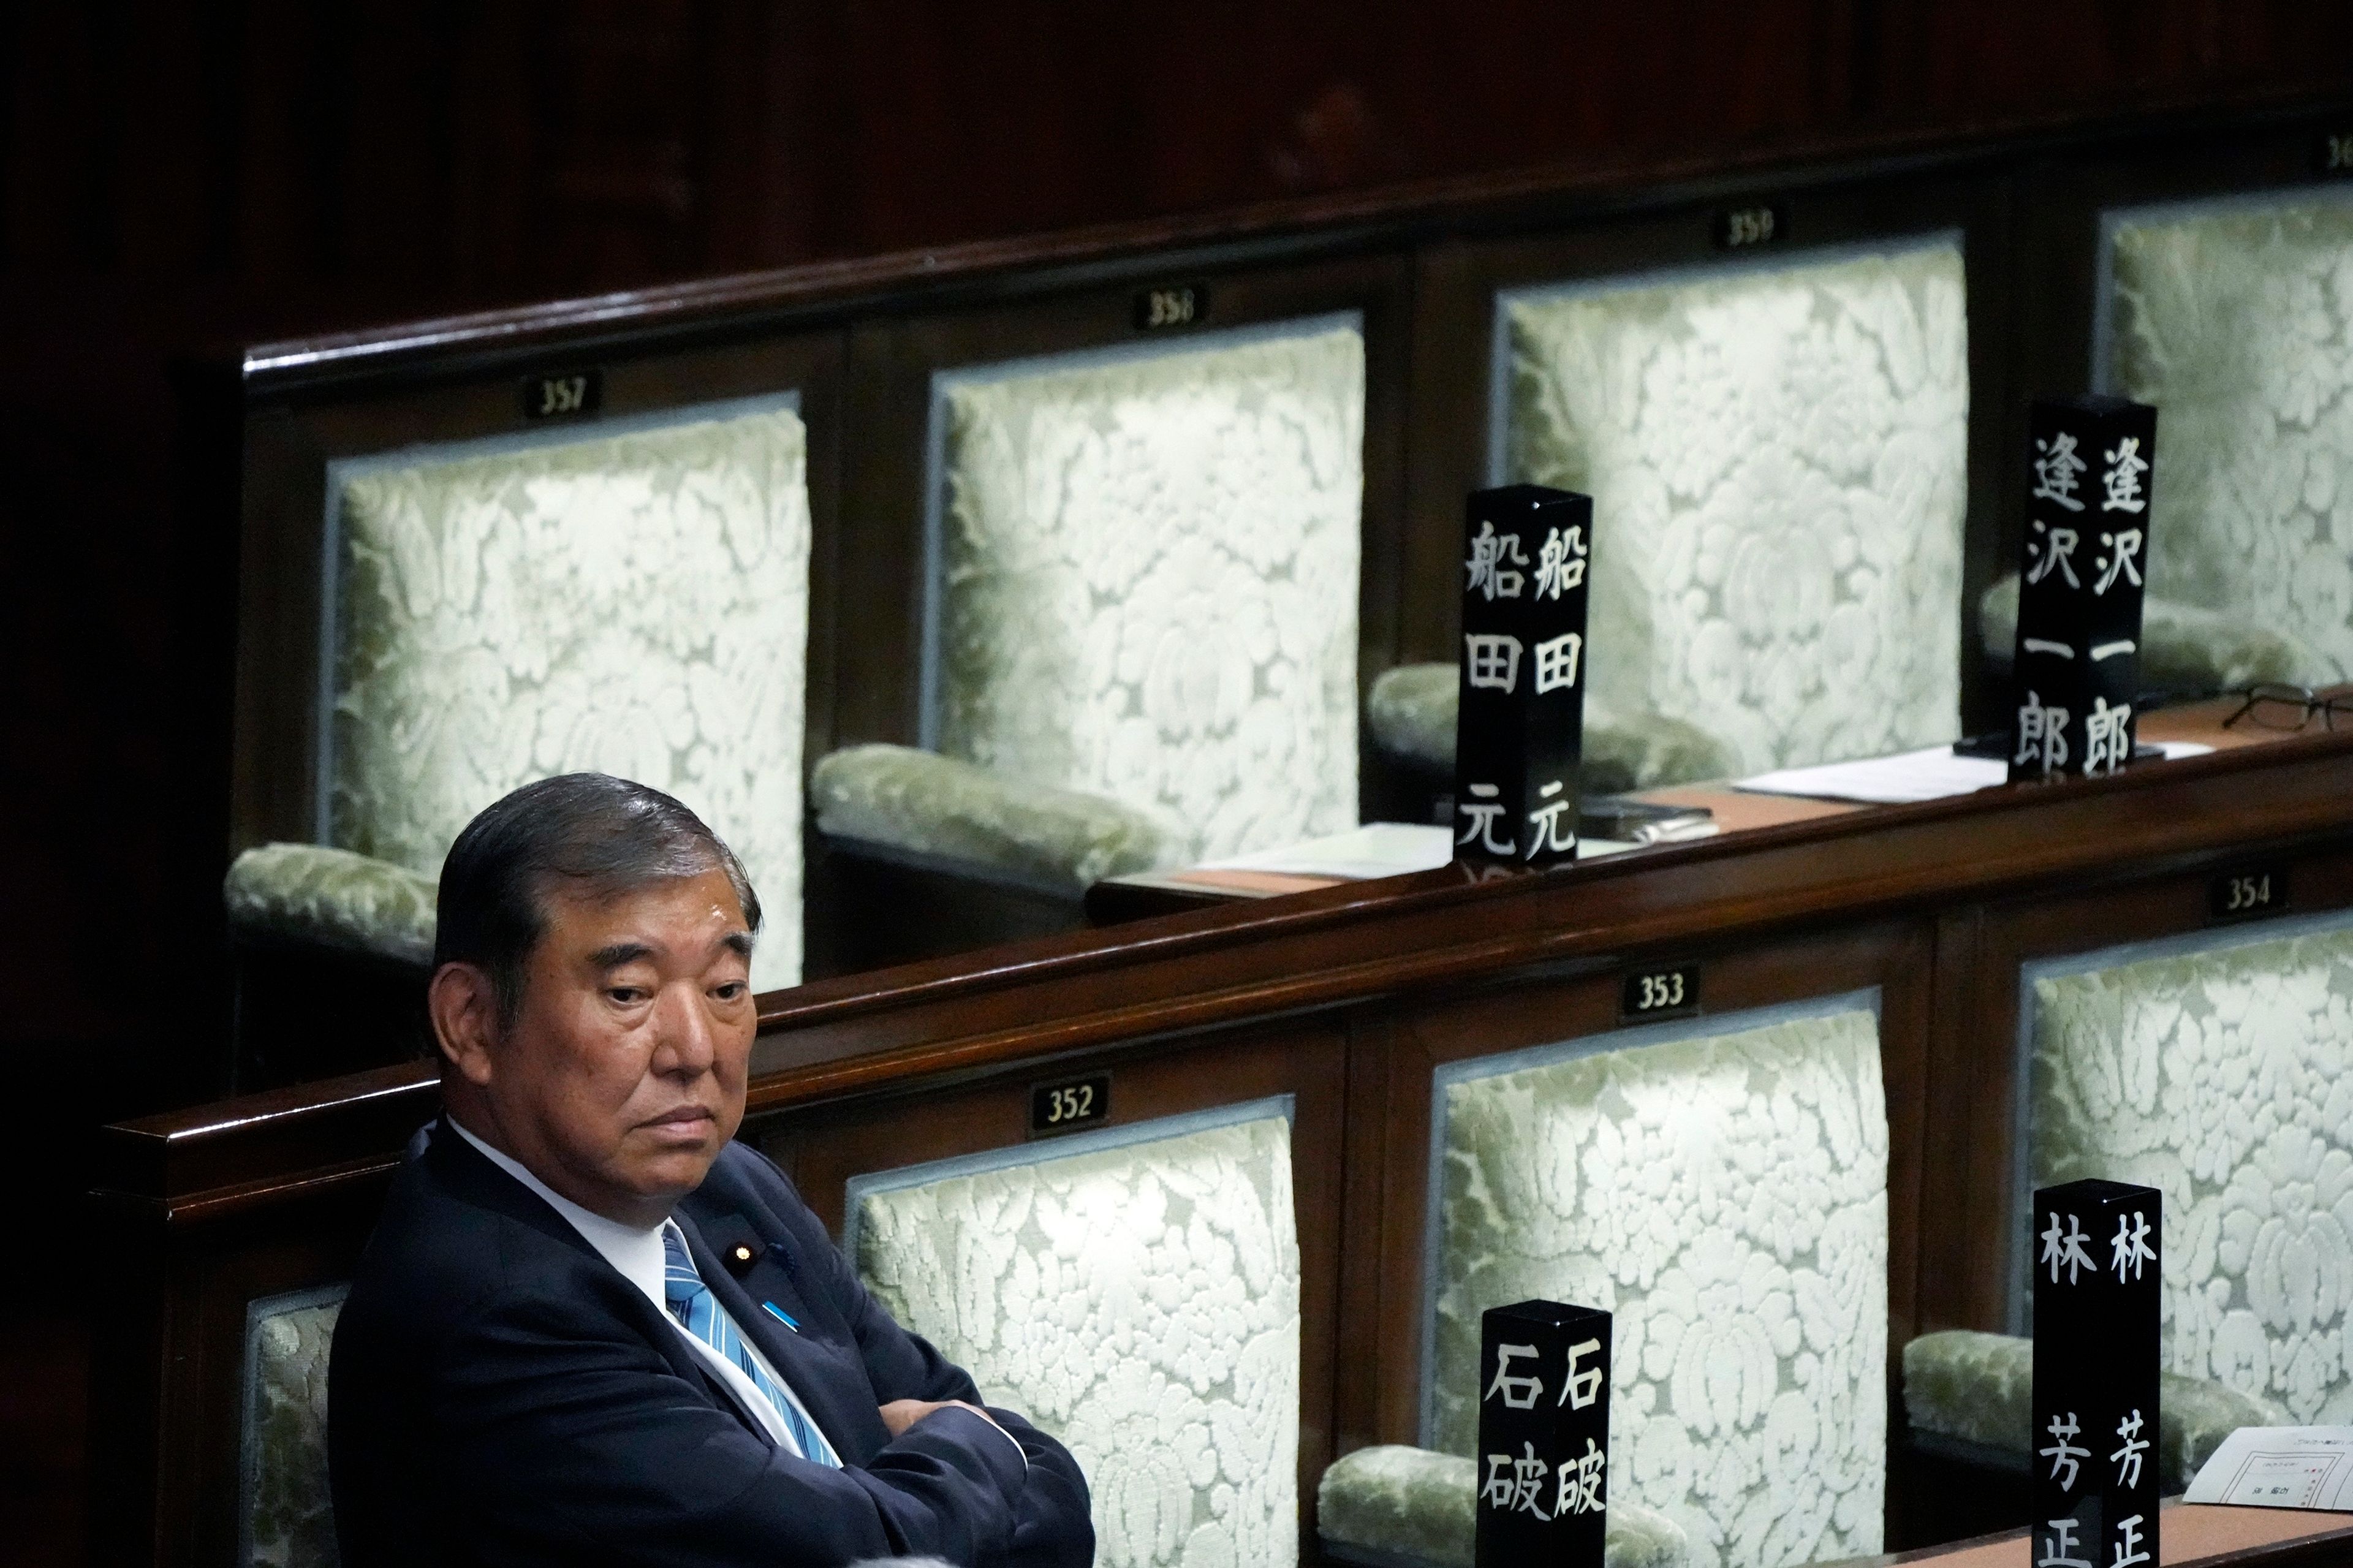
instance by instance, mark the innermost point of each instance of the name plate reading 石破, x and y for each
(1660, 993)
(566, 397)
(2334, 152)
(1762, 223)
(2247, 893)
(1069, 1104)
(1181, 306)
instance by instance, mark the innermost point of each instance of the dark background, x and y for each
(178, 175)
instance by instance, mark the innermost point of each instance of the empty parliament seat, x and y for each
(1778, 456)
(2219, 1070)
(1141, 636)
(1135, 1292)
(631, 600)
(2234, 318)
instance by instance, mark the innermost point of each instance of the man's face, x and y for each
(622, 1077)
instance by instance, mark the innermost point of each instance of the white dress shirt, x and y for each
(638, 1257)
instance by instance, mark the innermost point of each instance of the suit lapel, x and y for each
(812, 1369)
(476, 1180)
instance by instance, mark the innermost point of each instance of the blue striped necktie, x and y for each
(693, 1305)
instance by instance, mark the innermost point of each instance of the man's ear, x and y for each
(465, 1012)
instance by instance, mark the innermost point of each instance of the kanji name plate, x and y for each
(1520, 726)
(2097, 1276)
(1544, 1435)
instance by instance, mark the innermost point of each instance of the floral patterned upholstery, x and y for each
(2220, 1072)
(332, 898)
(631, 601)
(1148, 579)
(2237, 322)
(1136, 1292)
(1391, 1504)
(285, 1514)
(1723, 1190)
(1778, 458)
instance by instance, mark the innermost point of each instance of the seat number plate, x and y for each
(1068, 1104)
(1660, 992)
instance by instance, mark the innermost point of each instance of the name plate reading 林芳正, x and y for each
(1068, 1104)
(2334, 152)
(1520, 722)
(1544, 1435)
(1763, 223)
(2247, 893)
(2077, 668)
(1181, 305)
(2097, 1278)
(1649, 994)
(565, 396)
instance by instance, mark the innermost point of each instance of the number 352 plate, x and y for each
(1068, 1104)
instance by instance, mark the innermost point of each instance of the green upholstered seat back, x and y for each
(2218, 1069)
(1777, 458)
(2236, 321)
(1136, 1292)
(633, 601)
(286, 1518)
(1722, 1188)
(1146, 578)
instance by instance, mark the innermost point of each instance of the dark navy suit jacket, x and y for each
(499, 1394)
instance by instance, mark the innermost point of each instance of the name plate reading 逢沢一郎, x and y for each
(1544, 1435)
(1519, 726)
(2077, 667)
(2097, 1282)
(1068, 1104)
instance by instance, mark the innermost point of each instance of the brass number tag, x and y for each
(1160, 309)
(1660, 992)
(1067, 1105)
(2248, 893)
(562, 396)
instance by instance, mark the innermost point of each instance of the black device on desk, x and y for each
(1630, 821)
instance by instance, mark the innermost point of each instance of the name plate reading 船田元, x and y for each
(1660, 992)
(2247, 893)
(1764, 223)
(1181, 306)
(566, 397)
(1069, 1104)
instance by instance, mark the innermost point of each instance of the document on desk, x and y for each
(1933, 772)
(1376, 849)
(2279, 1467)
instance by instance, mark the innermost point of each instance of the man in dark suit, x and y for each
(589, 1327)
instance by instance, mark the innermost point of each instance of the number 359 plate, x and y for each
(1069, 1104)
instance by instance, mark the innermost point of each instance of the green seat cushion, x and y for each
(1412, 708)
(1392, 1503)
(309, 893)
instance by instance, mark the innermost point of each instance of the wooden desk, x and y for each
(1147, 893)
(1346, 998)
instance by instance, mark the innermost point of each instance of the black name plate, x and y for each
(1183, 305)
(566, 397)
(2079, 587)
(1544, 1435)
(1660, 992)
(2247, 893)
(1068, 1104)
(2097, 1276)
(1520, 729)
(1764, 223)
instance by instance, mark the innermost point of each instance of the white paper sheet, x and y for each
(1932, 773)
(2279, 1467)
(1376, 849)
